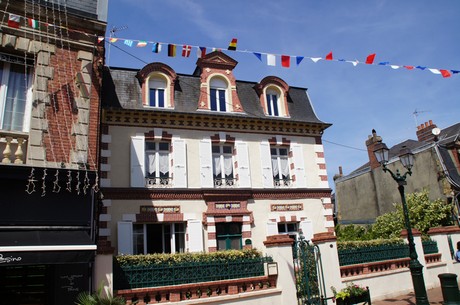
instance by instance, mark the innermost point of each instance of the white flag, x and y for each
(271, 60)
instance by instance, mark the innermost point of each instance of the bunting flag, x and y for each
(285, 61)
(299, 59)
(157, 47)
(14, 21)
(271, 60)
(370, 59)
(232, 45)
(33, 23)
(171, 50)
(186, 49)
(201, 52)
(258, 55)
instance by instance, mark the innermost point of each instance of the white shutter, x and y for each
(195, 235)
(307, 229)
(299, 170)
(265, 159)
(138, 161)
(272, 228)
(125, 237)
(180, 163)
(206, 163)
(242, 157)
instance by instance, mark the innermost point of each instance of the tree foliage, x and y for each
(423, 214)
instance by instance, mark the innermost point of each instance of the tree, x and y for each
(423, 214)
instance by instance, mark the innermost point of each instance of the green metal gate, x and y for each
(308, 273)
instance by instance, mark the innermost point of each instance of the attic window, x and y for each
(157, 94)
(273, 93)
(218, 94)
(273, 97)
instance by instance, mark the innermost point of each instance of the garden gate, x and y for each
(308, 273)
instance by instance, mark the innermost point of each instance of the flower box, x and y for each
(364, 298)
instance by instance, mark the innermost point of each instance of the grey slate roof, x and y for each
(121, 89)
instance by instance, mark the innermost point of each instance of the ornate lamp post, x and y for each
(407, 159)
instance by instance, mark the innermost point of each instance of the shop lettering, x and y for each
(9, 259)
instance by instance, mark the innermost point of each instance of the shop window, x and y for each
(158, 238)
(229, 236)
(15, 96)
(280, 166)
(157, 163)
(223, 166)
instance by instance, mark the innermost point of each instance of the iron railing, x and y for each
(430, 247)
(129, 277)
(372, 254)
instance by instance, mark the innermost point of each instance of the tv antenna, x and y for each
(112, 33)
(416, 114)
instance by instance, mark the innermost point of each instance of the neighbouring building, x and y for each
(205, 162)
(368, 192)
(49, 124)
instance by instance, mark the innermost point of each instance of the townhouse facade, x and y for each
(49, 124)
(205, 162)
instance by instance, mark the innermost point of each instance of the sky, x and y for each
(354, 98)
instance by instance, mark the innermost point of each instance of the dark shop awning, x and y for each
(45, 247)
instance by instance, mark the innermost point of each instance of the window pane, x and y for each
(221, 244)
(161, 98)
(222, 101)
(281, 228)
(16, 98)
(283, 151)
(227, 149)
(213, 93)
(292, 227)
(235, 243)
(216, 149)
(234, 228)
(164, 146)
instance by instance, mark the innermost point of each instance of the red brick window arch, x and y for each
(273, 93)
(157, 82)
(220, 98)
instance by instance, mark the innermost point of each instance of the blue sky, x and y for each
(355, 99)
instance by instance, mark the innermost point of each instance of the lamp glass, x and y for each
(381, 152)
(407, 158)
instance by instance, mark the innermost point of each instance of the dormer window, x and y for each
(273, 97)
(157, 90)
(218, 94)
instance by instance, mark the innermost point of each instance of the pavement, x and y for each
(434, 297)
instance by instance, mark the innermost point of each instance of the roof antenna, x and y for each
(416, 113)
(112, 32)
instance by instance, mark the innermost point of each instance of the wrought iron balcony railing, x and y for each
(224, 182)
(159, 182)
(282, 182)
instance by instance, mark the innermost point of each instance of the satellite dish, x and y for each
(436, 131)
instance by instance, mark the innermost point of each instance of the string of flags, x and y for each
(271, 59)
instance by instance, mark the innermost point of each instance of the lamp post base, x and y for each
(418, 282)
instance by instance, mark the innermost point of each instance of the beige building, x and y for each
(204, 162)
(369, 192)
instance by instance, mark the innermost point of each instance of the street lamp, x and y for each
(407, 159)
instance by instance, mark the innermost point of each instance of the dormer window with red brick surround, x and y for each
(273, 96)
(157, 81)
(218, 85)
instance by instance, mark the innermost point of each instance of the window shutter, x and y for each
(307, 229)
(272, 228)
(180, 163)
(242, 157)
(297, 154)
(195, 235)
(265, 158)
(125, 237)
(206, 163)
(138, 161)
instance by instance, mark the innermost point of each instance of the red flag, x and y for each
(186, 50)
(14, 21)
(329, 56)
(370, 59)
(445, 73)
(409, 67)
(285, 61)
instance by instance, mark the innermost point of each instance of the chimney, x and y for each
(340, 174)
(370, 143)
(424, 132)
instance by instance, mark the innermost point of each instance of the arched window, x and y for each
(218, 94)
(157, 92)
(273, 97)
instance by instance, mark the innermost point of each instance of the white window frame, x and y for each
(158, 81)
(3, 95)
(223, 182)
(158, 155)
(273, 104)
(281, 182)
(219, 84)
(172, 241)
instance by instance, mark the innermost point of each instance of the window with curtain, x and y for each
(218, 94)
(15, 82)
(157, 89)
(157, 163)
(280, 166)
(273, 97)
(222, 165)
(159, 238)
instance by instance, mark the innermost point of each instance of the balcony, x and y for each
(224, 182)
(13, 146)
(282, 183)
(158, 182)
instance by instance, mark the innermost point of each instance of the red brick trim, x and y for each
(323, 237)
(444, 230)
(278, 240)
(415, 232)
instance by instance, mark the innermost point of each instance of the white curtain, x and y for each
(284, 167)
(228, 166)
(151, 163)
(15, 103)
(275, 166)
(216, 165)
(164, 163)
